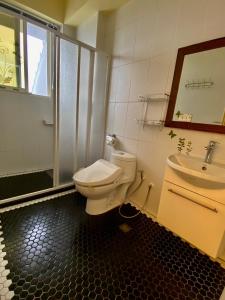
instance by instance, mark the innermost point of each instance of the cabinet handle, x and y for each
(194, 201)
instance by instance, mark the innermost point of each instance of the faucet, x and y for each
(210, 149)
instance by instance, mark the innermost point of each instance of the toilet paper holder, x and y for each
(111, 139)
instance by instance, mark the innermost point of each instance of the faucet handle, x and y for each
(213, 143)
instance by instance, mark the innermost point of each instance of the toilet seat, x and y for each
(101, 173)
(96, 192)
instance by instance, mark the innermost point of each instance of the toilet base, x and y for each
(100, 206)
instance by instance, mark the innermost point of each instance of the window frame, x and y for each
(51, 29)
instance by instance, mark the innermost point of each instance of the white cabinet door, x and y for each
(195, 218)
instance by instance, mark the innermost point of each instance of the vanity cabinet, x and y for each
(198, 219)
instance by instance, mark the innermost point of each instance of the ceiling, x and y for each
(70, 12)
(77, 11)
(53, 10)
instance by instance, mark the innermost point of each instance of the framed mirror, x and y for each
(197, 100)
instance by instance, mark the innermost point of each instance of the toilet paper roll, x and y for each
(111, 140)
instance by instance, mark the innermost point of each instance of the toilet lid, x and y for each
(100, 173)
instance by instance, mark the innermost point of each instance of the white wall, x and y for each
(92, 30)
(86, 32)
(143, 37)
(26, 144)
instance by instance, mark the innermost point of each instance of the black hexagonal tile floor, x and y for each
(56, 251)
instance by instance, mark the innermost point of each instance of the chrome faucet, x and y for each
(210, 149)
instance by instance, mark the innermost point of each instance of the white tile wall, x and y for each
(139, 77)
(214, 19)
(120, 118)
(143, 37)
(158, 75)
(123, 83)
(132, 129)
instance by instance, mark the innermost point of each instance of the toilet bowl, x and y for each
(105, 183)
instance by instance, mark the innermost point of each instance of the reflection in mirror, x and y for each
(201, 92)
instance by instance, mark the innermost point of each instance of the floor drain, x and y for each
(125, 228)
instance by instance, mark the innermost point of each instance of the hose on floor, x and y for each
(146, 198)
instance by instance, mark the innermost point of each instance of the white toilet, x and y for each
(104, 183)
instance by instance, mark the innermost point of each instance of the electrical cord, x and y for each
(146, 198)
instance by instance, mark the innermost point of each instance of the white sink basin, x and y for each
(195, 166)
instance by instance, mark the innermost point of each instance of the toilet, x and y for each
(105, 183)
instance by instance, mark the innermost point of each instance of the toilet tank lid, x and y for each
(122, 155)
(99, 173)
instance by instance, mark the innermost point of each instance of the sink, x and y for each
(196, 167)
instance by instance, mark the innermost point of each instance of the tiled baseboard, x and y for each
(56, 195)
(5, 293)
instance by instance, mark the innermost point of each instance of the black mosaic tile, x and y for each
(25, 183)
(56, 251)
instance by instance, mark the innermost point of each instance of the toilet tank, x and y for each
(127, 162)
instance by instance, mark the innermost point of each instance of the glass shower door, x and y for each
(68, 78)
(26, 108)
(82, 88)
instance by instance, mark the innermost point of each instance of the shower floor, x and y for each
(56, 251)
(12, 186)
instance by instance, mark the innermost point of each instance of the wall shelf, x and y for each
(151, 122)
(147, 99)
(199, 84)
(153, 98)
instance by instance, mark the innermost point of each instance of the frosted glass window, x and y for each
(10, 52)
(37, 59)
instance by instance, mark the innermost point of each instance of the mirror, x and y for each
(197, 100)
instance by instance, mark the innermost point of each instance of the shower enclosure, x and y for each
(52, 106)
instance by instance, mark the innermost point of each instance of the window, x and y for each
(10, 52)
(37, 57)
(31, 72)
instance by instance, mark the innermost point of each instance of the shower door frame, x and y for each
(55, 96)
(80, 45)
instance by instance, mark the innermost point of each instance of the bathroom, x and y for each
(107, 92)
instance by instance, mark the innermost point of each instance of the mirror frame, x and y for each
(208, 45)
